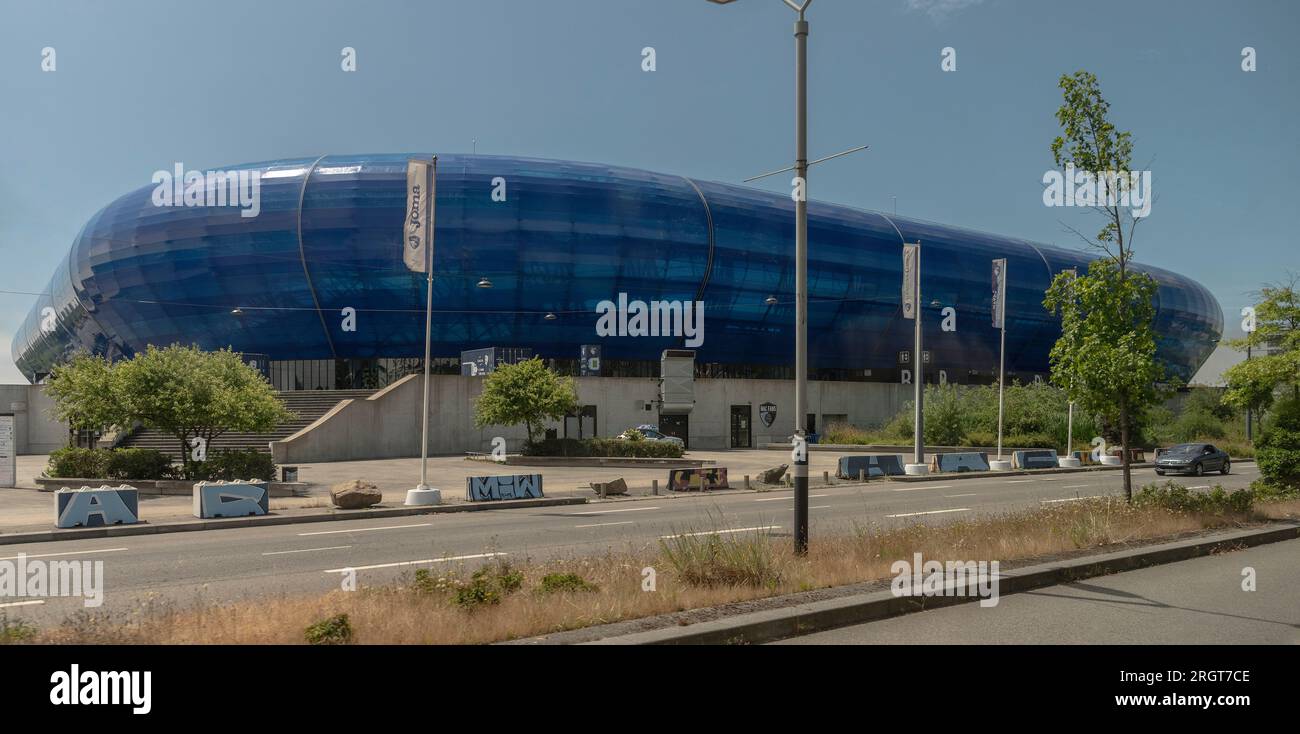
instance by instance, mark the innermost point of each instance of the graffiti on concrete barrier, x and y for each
(685, 480)
(959, 462)
(230, 500)
(506, 487)
(96, 507)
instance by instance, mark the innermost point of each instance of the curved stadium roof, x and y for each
(568, 235)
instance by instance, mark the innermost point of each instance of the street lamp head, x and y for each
(550, 317)
(770, 300)
(484, 283)
(236, 311)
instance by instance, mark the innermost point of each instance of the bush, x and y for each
(15, 630)
(554, 583)
(232, 465)
(603, 447)
(1176, 497)
(132, 464)
(78, 463)
(1278, 450)
(1196, 425)
(487, 586)
(715, 560)
(336, 630)
(1265, 492)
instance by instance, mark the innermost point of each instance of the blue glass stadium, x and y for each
(568, 235)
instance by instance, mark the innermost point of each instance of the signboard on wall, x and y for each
(8, 450)
(589, 365)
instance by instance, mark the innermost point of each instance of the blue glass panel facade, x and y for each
(567, 236)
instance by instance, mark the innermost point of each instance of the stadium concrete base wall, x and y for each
(387, 424)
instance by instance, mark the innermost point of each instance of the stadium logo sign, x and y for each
(242, 189)
(25, 578)
(1099, 188)
(955, 578)
(657, 318)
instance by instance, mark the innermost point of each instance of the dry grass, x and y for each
(700, 572)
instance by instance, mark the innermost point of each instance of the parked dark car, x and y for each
(1192, 458)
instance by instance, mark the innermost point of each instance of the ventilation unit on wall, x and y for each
(676, 381)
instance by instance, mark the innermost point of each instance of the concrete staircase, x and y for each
(307, 404)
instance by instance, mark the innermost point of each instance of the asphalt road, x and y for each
(234, 563)
(1200, 601)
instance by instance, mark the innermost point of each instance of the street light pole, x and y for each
(801, 274)
(801, 280)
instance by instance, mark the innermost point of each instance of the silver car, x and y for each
(653, 434)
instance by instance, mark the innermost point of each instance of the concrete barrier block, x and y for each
(883, 465)
(686, 480)
(230, 499)
(959, 462)
(1034, 459)
(89, 508)
(503, 487)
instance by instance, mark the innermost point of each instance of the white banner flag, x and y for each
(910, 253)
(1000, 293)
(417, 235)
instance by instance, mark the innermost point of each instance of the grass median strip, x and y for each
(689, 576)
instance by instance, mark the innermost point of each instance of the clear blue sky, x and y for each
(140, 85)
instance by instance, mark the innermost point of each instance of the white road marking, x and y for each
(1076, 486)
(952, 496)
(820, 507)
(413, 563)
(930, 512)
(785, 499)
(68, 553)
(1077, 499)
(22, 603)
(720, 532)
(307, 550)
(603, 524)
(1051, 479)
(363, 530)
(602, 512)
(1020, 481)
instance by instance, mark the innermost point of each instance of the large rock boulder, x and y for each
(773, 475)
(355, 495)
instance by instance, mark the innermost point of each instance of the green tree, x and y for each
(1275, 344)
(1105, 358)
(183, 391)
(526, 392)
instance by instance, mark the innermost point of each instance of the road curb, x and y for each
(146, 528)
(776, 624)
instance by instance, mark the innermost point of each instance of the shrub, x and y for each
(1266, 492)
(943, 416)
(603, 447)
(78, 463)
(1176, 497)
(1195, 425)
(1278, 450)
(487, 586)
(554, 583)
(716, 560)
(231, 465)
(138, 464)
(336, 630)
(15, 630)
